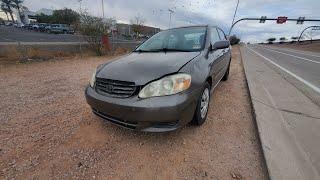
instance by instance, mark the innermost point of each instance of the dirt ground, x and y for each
(48, 131)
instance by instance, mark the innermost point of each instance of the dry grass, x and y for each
(18, 54)
(121, 51)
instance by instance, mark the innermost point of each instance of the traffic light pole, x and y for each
(305, 30)
(268, 19)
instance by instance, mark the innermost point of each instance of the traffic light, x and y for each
(263, 19)
(300, 20)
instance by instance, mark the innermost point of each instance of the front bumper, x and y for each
(157, 114)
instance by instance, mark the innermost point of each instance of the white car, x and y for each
(35, 27)
(18, 25)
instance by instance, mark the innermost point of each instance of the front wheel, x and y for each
(201, 112)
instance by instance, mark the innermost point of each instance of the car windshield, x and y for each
(180, 39)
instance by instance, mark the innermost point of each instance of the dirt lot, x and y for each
(48, 131)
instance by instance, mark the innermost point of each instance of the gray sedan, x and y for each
(163, 84)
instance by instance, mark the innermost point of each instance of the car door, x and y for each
(215, 58)
(225, 52)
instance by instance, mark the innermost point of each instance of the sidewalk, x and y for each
(288, 122)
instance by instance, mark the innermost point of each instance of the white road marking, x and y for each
(315, 88)
(318, 62)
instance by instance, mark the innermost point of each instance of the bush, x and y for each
(234, 40)
(93, 29)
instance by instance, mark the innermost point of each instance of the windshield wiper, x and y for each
(170, 50)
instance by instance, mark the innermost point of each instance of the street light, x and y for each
(170, 12)
(234, 16)
(102, 4)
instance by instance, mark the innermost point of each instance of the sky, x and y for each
(195, 12)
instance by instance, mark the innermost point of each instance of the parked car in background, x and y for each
(18, 25)
(35, 27)
(8, 23)
(28, 26)
(165, 83)
(59, 29)
(42, 26)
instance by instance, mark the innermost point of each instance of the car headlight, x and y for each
(93, 79)
(168, 85)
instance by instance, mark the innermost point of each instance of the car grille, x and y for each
(114, 88)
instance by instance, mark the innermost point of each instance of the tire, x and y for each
(226, 75)
(200, 117)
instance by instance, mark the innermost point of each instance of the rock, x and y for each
(235, 175)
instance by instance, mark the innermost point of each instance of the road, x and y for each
(302, 68)
(11, 34)
(284, 86)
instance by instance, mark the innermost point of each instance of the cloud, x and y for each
(191, 12)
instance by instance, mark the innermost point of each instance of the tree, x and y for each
(17, 4)
(294, 39)
(93, 29)
(8, 4)
(282, 40)
(42, 18)
(65, 16)
(271, 40)
(234, 40)
(137, 24)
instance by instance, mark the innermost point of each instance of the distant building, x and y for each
(126, 30)
(27, 17)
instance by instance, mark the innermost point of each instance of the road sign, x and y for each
(282, 19)
(300, 20)
(263, 19)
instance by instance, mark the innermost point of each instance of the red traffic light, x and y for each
(282, 19)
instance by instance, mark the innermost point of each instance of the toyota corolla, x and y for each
(164, 83)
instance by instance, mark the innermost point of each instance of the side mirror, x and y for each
(220, 45)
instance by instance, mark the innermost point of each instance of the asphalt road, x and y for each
(301, 68)
(284, 87)
(11, 34)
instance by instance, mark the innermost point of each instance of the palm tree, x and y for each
(17, 5)
(5, 10)
(8, 6)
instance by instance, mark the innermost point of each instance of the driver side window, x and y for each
(214, 36)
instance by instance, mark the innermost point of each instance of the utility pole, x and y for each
(170, 12)
(80, 45)
(234, 16)
(102, 4)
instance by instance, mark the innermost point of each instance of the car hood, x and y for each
(142, 68)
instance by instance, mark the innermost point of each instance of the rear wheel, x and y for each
(201, 112)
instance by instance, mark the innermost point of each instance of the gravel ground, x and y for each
(48, 131)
